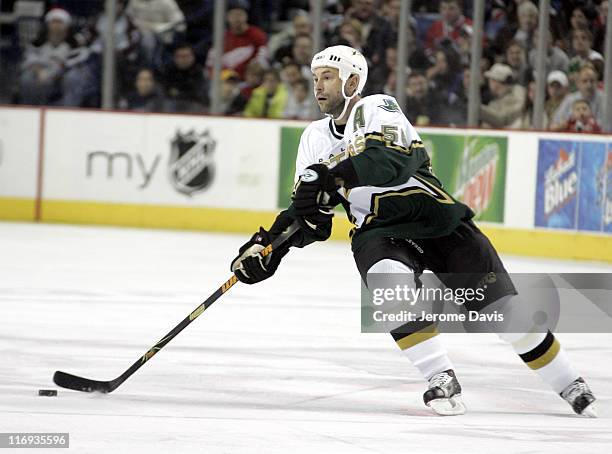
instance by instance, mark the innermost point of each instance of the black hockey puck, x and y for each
(47, 392)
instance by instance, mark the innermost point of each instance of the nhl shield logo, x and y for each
(191, 168)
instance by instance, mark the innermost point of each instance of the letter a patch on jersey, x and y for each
(390, 106)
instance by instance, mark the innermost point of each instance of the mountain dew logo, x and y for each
(560, 182)
(476, 182)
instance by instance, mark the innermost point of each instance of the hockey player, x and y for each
(367, 156)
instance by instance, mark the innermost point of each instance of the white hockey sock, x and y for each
(423, 347)
(543, 353)
(429, 355)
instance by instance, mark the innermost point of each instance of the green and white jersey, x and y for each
(390, 188)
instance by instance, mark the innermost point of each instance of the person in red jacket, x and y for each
(582, 118)
(452, 26)
(243, 42)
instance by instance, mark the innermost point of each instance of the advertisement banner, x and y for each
(557, 184)
(472, 169)
(177, 160)
(19, 129)
(606, 191)
(290, 139)
(591, 191)
(573, 189)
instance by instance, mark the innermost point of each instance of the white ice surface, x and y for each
(274, 368)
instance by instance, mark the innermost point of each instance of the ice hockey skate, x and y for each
(580, 397)
(444, 394)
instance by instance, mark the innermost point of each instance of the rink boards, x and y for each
(535, 193)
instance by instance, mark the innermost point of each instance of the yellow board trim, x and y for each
(537, 243)
(155, 216)
(534, 243)
(547, 357)
(549, 243)
(17, 209)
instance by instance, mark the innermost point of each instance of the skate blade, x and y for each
(448, 407)
(590, 411)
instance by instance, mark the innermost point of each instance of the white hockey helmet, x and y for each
(347, 61)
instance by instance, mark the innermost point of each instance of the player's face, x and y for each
(327, 86)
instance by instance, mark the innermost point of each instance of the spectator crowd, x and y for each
(164, 58)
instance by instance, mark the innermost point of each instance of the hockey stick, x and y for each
(70, 381)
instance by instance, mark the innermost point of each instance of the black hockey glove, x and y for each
(311, 198)
(250, 267)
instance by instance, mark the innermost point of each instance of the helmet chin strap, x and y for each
(347, 100)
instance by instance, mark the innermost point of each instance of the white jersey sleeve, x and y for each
(317, 144)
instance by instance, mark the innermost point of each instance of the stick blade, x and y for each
(76, 383)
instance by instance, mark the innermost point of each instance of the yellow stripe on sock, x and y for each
(547, 357)
(413, 339)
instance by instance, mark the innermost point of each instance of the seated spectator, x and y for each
(391, 10)
(582, 52)
(280, 43)
(496, 18)
(184, 81)
(44, 61)
(508, 103)
(517, 60)
(299, 105)
(199, 25)
(376, 32)
(456, 112)
(291, 73)
(127, 45)
(233, 101)
(423, 106)
(242, 43)
(581, 119)
(445, 74)
(527, 120)
(599, 34)
(127, 36)
(382, 78)
(253, 78)
(527, 24)
(582, 16)
(556, 58)
(349, 34)
(301, 54)
(556, 89)
(269, 99)
(146, 96)
(486, 62)
(452, 25)
(156, 20)
(587, 90)
(156, 16)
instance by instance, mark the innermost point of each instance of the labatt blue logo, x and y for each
(560, 182)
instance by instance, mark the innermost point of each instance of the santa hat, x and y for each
(59, 14)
